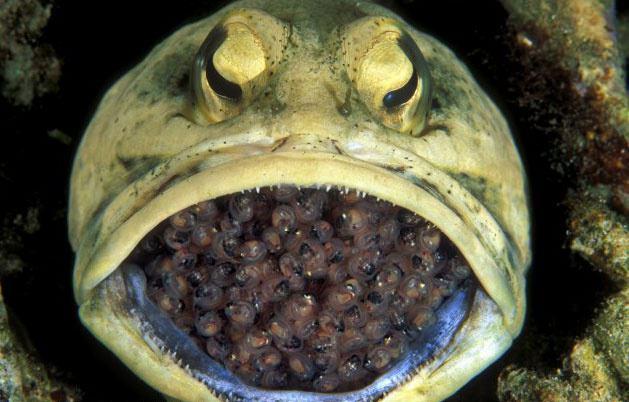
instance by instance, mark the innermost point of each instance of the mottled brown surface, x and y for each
(23, 377)
(594, 370)
(28, 68)
(573, 84)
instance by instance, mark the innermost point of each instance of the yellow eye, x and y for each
(389, 73)
(235, 62)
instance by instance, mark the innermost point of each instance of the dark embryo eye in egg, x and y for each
(301, 289)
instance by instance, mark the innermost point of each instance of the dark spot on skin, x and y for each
(277, 107)
(430, 129)
(144, 163)
(399, 169)
(345, 109)
(479, 188)
(449, 88)
(169, 77)
(279, 144)
(339, 150)
(182, 82)
(137, 167)
(475, 185)
(435, 105)
(429, 187)
(96, 223)
(169, 183)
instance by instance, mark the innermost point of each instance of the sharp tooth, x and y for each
(328, 187)
(258, 190)
(318, 186)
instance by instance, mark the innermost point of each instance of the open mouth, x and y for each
(324, 290)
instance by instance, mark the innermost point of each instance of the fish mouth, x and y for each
(307, 289)
(135, 294)
(175, 343)
(283, 292)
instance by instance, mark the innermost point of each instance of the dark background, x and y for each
(98, 41)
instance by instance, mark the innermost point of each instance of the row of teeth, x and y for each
(343, 190)
(156, 343)
(186, 367)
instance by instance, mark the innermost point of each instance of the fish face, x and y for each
(290, 201)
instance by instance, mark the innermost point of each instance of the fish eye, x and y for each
(401, 95)
(389, 72)
(234, 64)
(219, 84)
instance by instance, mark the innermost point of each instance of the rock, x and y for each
(23, 377)
(574, 87)
(27, 69)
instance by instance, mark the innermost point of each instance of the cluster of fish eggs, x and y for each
(301, 288)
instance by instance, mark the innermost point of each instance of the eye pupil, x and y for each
(217, 82)
(401, 95)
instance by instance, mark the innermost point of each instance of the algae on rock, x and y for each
(23, 377)
(27, 69)
(572, 48)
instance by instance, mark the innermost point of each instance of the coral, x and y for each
(573, 84)
(23, 377)
(27, 69)
(586, 374)
(609, 333)
(599, 234)
(12, 229)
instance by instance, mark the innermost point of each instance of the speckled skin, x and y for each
(142, 160)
